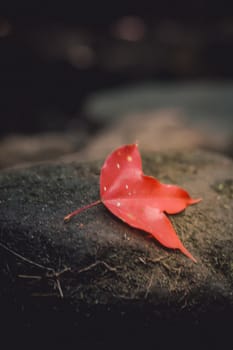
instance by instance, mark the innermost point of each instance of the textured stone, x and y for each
(97, 276)
(158, 130)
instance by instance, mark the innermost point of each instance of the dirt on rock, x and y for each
(96, 275)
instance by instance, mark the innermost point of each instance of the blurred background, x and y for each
(79, 78)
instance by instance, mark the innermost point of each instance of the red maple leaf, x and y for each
(139, 200)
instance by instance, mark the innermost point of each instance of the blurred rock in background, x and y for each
(58, 58)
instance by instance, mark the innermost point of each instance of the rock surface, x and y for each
(158, 130)
(95, 279)
(159, 116)
(204, 103)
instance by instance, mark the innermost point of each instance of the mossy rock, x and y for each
(97, 276)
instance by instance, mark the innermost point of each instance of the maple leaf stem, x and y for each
(79, 210)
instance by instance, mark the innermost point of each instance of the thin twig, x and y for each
(98, 262)
(54, 274)
(142, 260)
(58, 285)
(126, 297)
(61, 272)
(33, 277)
(160, 259)
(44, 295)
(156, 260)
(149, 285)
(29, 261)
(51, 273)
